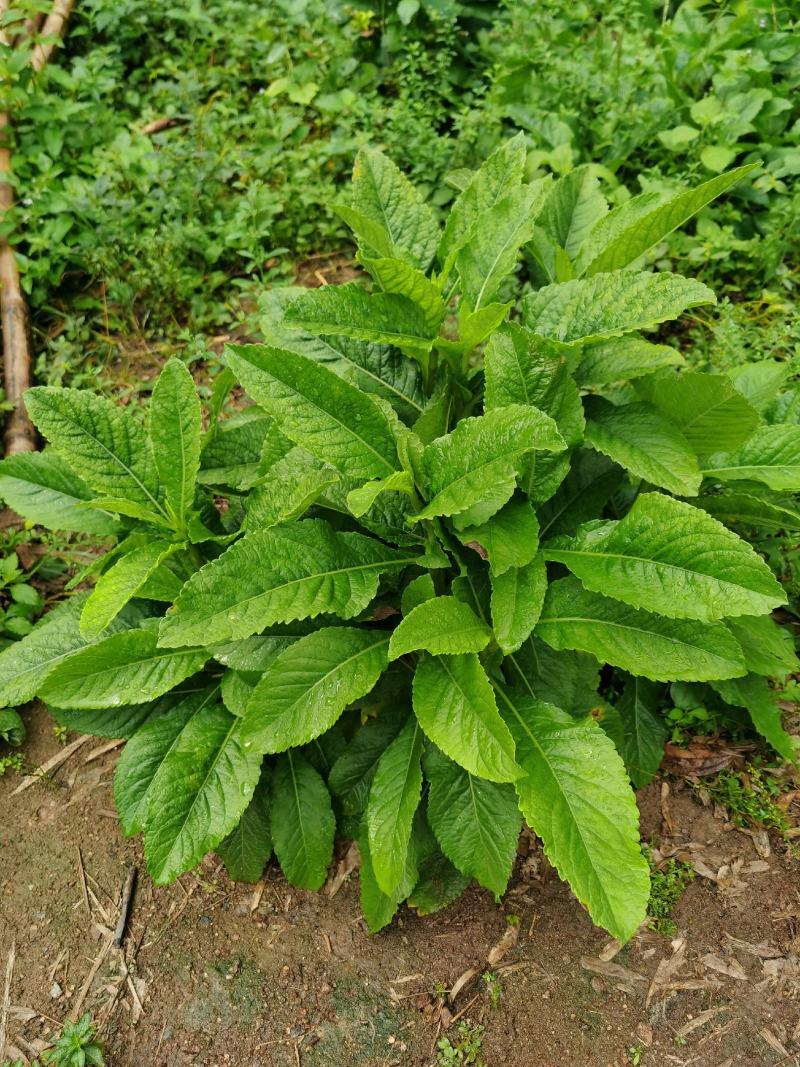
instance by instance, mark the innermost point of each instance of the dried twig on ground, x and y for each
(50, 765)
(125, 906)
(6, 1003)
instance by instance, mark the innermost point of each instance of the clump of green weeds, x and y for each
(466, 1047)
(751, 797)
(668, 882)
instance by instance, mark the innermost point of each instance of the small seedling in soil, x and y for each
(668, 883)
(494, 987)
(636, 1052)
(76, 1046)
(12, 762)
(467, 1047)
(60, 734)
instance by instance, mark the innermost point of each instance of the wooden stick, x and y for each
(90, 977)
(51, 764)
(6, 1004)
(20, 435)
(125, 906)
(52, 32)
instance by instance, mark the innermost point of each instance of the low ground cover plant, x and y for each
(439, 576)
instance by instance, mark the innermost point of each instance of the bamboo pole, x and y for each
(19, 435)
(52, 32)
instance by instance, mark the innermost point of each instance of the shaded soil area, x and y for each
(215, 974)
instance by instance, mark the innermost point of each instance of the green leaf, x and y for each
(610, 305)
(517, 599)
(643, 729)
(454, 703)
(417, 592)
(567, 679)
(198, 793)
(122, 581)
(42, 488)
(768, 648)
(754, 694)
(760, 382)
(372, 237)
(303, 823)
(492, 182)
(521, 368)
(248, 847)
(175, 430)
(316, 409)
(591, 482)
(378, 369)
(755, 509)
(490, 253)
(709, 411)
(573, 206)
(576, 797)
(242, 449)
(509, 539)
(667, 553)
(771, 456)
(305, 690)
(621, 359)
(477, 461)
(25, 664)
(125, 668)
(379, 908)
(145, 753)
(350, 311)
(382, 193)
(646, 443)
(609, 247)
(119, 722)
(439, 884)
(294, 483)
(638, 641)
(105, 446)
(361, 500)
(291, 572)
(477, 823)
(394, 276)
(393, 801)
(442, 625)
(12, 728)
(352, 774)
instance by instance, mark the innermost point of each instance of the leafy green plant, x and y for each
(380, 598)
(668, 882)
(20, 603)
(76, 1046)
(466, 1049)
(752, 797)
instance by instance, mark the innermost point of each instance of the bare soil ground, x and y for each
(214, 974)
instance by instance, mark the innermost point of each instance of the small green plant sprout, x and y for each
(668, 882)
(14, 761)
(636, 1054)
(378, 600)
(465, 1048)
(513, 920)
(494, 987)
(60, 733)
(76, 1046)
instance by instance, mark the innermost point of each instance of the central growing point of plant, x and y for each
(433, 580)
